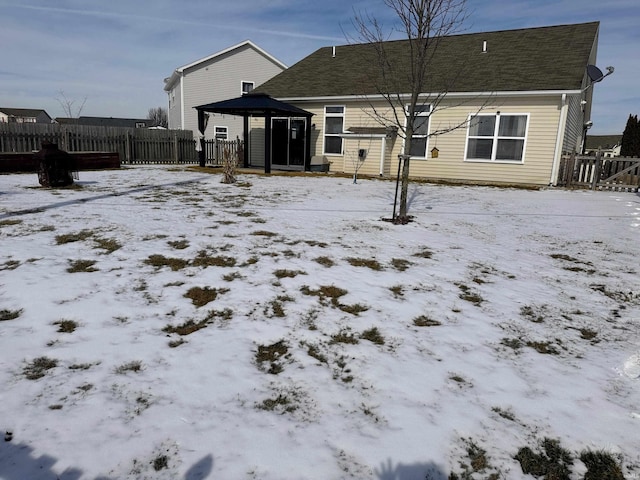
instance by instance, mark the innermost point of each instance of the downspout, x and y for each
(562, 124)
(182, 126)
(383, 154)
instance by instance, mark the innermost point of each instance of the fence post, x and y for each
(597, 170)
(175, 148)
(128, 147)
(571, 165)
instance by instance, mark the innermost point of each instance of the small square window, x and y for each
(247, 87)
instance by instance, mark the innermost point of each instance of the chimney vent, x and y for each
(333, 52)
(484, 46)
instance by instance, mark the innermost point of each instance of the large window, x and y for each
(497, 138)
(333, 128)
(420, 131)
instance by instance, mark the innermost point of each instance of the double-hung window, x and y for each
(497, 138)
(420, 131)
(333, 128)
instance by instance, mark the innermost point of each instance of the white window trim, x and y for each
(421, 114)
(242, 82)
(496, 137)
(343, 115)
(215, 133)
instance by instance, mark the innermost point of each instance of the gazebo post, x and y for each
(307, 146)
(201, 129)
(267, 143)
(245, 138)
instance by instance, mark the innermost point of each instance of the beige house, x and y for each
(231, 72)
(514, 102)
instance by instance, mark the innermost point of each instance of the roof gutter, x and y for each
(536, 93)
(182, 126)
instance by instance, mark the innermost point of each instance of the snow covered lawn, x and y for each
(156, 323)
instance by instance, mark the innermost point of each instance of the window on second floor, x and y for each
(247, 87)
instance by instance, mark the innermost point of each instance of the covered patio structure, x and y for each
(282, 116)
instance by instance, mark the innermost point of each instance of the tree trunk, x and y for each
(404, 187)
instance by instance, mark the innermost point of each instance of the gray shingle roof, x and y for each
(544, 58)
(105, 121)
(22, 112)
(602, 141)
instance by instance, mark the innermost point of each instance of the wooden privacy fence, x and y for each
(598, 173)
(135, 145)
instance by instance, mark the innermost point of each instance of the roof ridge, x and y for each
(490, 32)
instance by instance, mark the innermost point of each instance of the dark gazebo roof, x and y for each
(254, 104)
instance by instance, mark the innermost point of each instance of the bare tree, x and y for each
(69, 105)
(402, 82)
(158, 117)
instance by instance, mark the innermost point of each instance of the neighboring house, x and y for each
(608, 145)
(107, 122)
(226, 74)
(24, 115)
(522, 96)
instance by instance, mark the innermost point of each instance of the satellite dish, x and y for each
(595, 74)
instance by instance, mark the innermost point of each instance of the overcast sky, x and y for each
(117, 53)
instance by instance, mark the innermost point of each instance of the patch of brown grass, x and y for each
(6, 315)
(425, 321)
(76, 266)
(186, 328)
(284, 273)
(74, 237)
(325, 261)
(273, 355)
(203, 259)
(159, 261)
(400, 264)
(110, 245)
(371, 263)
(38, 367)
(66, 326)
(201, 296)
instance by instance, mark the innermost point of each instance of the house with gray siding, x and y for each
(232, 72)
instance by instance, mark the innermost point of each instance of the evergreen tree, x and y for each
(631, 138)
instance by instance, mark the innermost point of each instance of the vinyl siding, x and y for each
(221, 78)
(256, 142)
(575, 123)
(577, 115)
(544, 115)
(175, 108)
